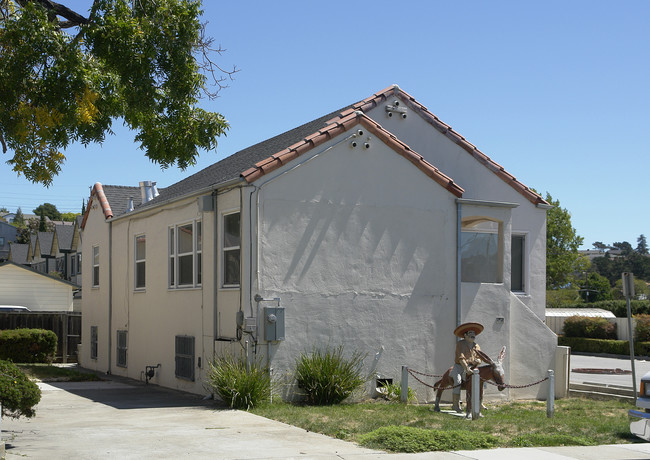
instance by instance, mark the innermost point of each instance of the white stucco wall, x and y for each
(23, 287)
(479, 183)
(360, 247)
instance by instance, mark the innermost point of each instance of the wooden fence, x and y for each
(66, 326)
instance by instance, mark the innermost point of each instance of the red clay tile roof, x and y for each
(392, 91)
(340, 125)
(97, 193)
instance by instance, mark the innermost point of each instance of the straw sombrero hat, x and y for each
(465, 327)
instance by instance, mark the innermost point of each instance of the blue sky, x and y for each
(557, 92)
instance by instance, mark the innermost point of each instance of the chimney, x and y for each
(129, 206)
(145, 191)
(154, 189)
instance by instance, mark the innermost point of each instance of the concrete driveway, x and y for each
(125, 419)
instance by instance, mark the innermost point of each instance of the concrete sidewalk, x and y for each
(123, 419)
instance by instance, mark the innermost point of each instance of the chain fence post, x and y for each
(404, 394)
(476, 391)
(550, 400)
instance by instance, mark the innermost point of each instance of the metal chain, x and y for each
(506, 385)
(413, 372)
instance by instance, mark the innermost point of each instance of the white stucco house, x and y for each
(377, 227)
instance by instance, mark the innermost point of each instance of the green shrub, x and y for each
(393, 392)
(642, 328)
(411, 439)
(327, 377)
(615, 347)
(18, 394)
(592, 328)
(235, 385)
(28, 345)
(549, 440)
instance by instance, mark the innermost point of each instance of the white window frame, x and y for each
(195, 253)
(137, 262)
(227, 249)
(95, 263)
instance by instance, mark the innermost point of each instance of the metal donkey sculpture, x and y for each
(491, 371)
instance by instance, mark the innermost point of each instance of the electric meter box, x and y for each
(273, 323)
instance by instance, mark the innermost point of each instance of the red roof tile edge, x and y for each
(98, 192)
(335, 128)
(394, 90)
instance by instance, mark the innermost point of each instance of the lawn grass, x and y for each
(577, 421)
(51, 373)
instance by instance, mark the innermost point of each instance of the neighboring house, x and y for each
(25, 287)
(67, 242)
(8, 235)
(20, 254)
(376, 227)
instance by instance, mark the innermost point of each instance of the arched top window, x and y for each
(481, 250)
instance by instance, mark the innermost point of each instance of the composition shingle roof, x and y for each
(19, 253)
(64, 235)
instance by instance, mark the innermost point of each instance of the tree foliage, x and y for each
(642, 245)
(48, 210)
(562, 242)
(144, 62)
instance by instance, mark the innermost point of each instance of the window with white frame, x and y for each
(95, 266)
(517, 266)
(481, 251)
(231, 245)
(185, 248)
(140, 261)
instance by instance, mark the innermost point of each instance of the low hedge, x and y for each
(28, 345)
(589, 327)
(614, 347)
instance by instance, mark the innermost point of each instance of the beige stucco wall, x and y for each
(23, 287)
(360, 247)
(95, 300)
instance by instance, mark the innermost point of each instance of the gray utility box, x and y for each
(273, 323)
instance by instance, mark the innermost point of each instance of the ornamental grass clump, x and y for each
(237, 386)
(327, 377)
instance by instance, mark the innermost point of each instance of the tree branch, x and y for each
(56, 9)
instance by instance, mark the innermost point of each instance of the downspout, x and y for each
(110, 294)
(215, 262)
(459, 216)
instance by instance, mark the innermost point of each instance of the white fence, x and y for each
(556, 324)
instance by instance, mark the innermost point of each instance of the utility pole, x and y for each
(628, 292)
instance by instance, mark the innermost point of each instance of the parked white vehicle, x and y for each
(13, 308)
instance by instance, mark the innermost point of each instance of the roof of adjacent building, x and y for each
(64, 236)
(18, 253)
(45, 243)
(252, 162)
(31, 270)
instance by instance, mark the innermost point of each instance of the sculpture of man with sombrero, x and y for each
(466, 358)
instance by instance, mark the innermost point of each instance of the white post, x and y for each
(404, 394)
(476, 391)
(550, 400)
